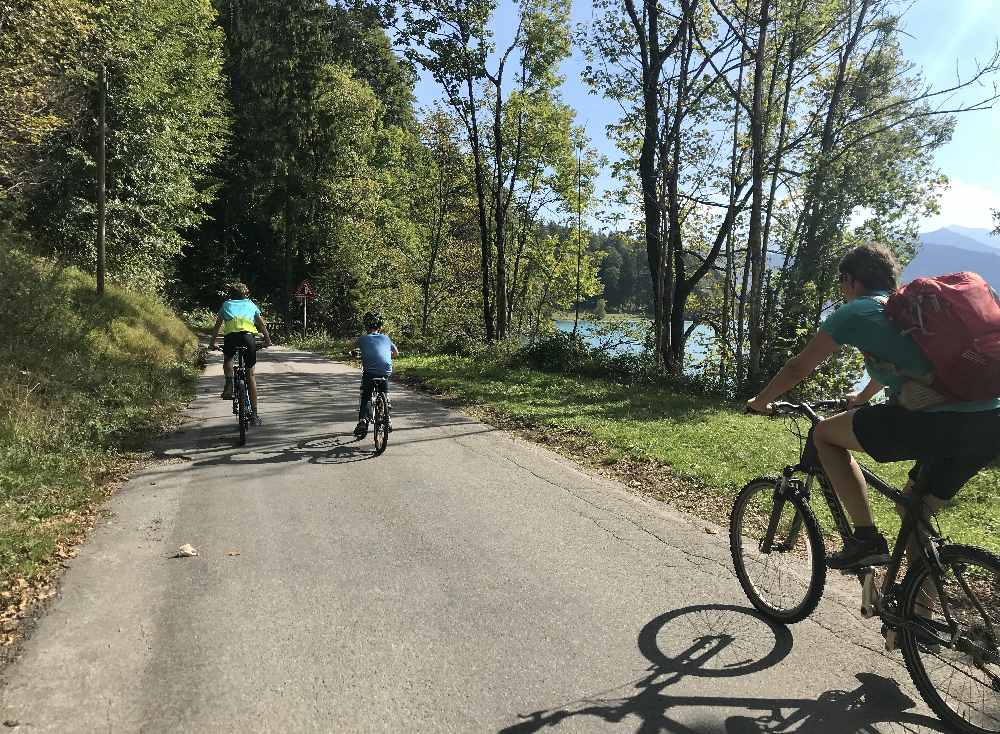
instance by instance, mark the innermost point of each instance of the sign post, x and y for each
(305, 293)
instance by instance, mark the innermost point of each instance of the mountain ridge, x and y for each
(955, 248)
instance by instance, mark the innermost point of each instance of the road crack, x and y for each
(686, 552)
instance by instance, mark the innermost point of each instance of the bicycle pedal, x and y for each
(891, 644)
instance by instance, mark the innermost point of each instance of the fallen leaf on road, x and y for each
(186, 551)
(711, 531)
(232, 553)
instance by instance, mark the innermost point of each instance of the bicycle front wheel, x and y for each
(380, 424)
(778, 551)
(959, 681)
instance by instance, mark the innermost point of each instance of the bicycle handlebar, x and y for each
(810, 410)
(258, 345)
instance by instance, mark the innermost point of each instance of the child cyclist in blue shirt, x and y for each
(377, 352)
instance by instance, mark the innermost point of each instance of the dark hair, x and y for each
(874, 265)
(373, 320)
(237, 291)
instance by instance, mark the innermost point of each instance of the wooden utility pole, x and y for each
(101, 201)
(579, 240)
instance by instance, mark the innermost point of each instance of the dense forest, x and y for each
(280, 141)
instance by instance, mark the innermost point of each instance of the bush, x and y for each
(199, 319)
(558, 351)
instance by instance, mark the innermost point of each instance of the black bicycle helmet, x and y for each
(373, 320)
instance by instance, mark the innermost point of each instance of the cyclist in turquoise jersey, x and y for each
(239, 319)
(950, 442)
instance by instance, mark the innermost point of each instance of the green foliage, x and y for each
(320, 180)
(358, 42)
(199, 319)
(82, 381)
(167, 124)
(40, 43)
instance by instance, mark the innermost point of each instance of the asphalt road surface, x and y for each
(464, 581)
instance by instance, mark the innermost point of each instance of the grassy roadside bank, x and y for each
(84, 383)
(691, 452)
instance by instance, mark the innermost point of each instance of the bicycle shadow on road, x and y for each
(295, 404)
(724, 641)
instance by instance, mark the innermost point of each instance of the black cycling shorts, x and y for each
(949, 447)
(235, 340)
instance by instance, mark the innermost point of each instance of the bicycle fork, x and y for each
(786, 486)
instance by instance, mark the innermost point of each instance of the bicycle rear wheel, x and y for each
(380, 424)
(960, 682)
(243, 399)
(778, 551)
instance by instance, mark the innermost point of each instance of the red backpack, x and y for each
(955, 320)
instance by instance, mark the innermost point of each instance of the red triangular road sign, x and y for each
(305, 290)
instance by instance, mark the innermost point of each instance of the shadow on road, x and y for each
(721, 641)
(300, 409)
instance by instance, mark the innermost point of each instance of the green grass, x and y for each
(706, 442)
(199, 320)
(84, 382)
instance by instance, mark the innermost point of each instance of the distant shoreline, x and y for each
(589, 316)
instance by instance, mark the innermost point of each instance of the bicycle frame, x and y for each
(240, 377)
(913, 526)
(379, 385)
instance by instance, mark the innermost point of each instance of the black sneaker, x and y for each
(860, 553)
(361, 430)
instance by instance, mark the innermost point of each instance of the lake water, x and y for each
(590, 331)
(694, 351)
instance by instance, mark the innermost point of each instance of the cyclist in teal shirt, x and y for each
(950, 442)
(239, 319)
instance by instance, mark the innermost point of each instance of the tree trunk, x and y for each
(756, 207)
(500, 283)
(484, 233)
(435, 246)
(809, 253)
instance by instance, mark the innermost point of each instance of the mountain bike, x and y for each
(945, 613)
(242, 405)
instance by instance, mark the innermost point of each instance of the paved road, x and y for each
(465, 581)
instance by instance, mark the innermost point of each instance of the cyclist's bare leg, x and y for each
(835, 440)
(227, 369)
(252, 382)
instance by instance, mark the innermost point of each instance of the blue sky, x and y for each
(943, 36)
